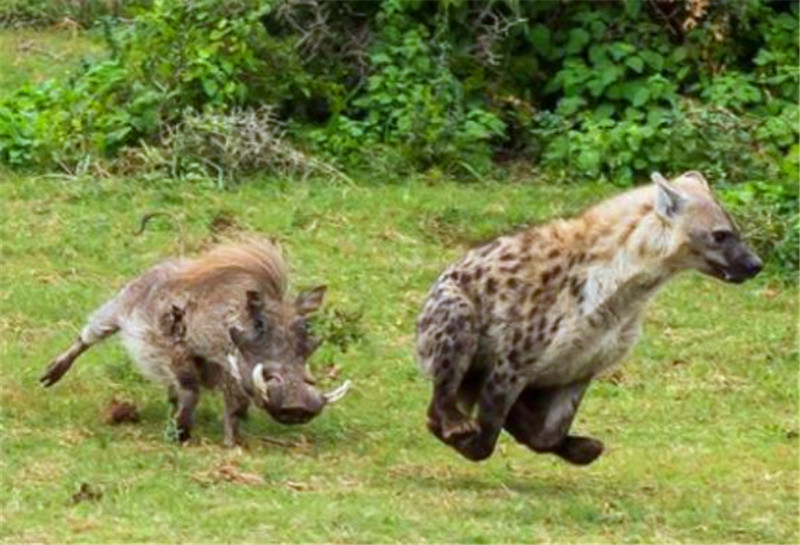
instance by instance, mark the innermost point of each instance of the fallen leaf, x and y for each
(86, 493)
(295, 485)
(119, 412)
(228, 472)
(331, 371)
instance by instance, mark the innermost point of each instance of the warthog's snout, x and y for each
(292, 401)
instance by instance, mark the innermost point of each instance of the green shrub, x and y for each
(585, 90)
(174, 58)
(768, 213)
(412, 101)
(37, 13)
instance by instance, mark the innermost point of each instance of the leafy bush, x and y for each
(769, 216)
(586, 90)
(174, 58)
(726, 146)
(412, 100)
(225, 146)
(27, 13)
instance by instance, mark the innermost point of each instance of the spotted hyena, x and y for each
(514, 332)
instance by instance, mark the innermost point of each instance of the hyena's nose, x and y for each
(753, 267)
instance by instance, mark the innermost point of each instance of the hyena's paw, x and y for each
(452, 429)
(457, 431)
(580, 450)
(475, 447)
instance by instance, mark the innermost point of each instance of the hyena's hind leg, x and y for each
(447, 341)
(102, 323)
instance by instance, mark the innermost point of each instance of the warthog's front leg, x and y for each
(541, 417)
(236, 405)
(187, 388)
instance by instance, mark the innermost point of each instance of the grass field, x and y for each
(701, 423)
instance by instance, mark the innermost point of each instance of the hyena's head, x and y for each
(705, 236)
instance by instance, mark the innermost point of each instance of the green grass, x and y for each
(29, 56)
(700, 424)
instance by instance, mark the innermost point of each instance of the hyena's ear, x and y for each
(696, 176)
(670, 202)
(310, 300)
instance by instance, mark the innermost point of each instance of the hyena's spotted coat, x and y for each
(515, 330)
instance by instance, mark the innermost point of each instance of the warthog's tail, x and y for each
(102, 323)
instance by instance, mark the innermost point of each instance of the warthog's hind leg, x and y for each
(101, 324)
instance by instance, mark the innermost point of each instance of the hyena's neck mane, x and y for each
(627, 247)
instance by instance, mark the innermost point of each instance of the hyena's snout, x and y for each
(742, 264)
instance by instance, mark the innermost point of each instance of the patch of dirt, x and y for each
(120, 412)
(223, 222)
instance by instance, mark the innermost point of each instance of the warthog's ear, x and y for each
(255, 308)
(670, 202)
(309, 301)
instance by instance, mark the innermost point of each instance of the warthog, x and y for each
(221, 320)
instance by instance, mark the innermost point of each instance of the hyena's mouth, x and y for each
(724, 272)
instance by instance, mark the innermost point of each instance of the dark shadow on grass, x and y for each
(542, 487)
(258, 430)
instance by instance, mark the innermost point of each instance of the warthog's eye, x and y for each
(269, 375)
(721, 236)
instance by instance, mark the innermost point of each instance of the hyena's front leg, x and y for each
(446, 344)
(541, 418)
(499, 392)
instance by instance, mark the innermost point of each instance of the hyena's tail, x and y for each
(102, 323)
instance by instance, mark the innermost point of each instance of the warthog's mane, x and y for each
(230, 262)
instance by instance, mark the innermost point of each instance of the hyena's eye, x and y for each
(721, 236)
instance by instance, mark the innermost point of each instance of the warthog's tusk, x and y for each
(338, 393)
(233, 363)
(259, 382)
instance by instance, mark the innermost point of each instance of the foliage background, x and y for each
(579, 91)
(378, 140)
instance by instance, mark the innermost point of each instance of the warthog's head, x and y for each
(708, 239)
(275, 348)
